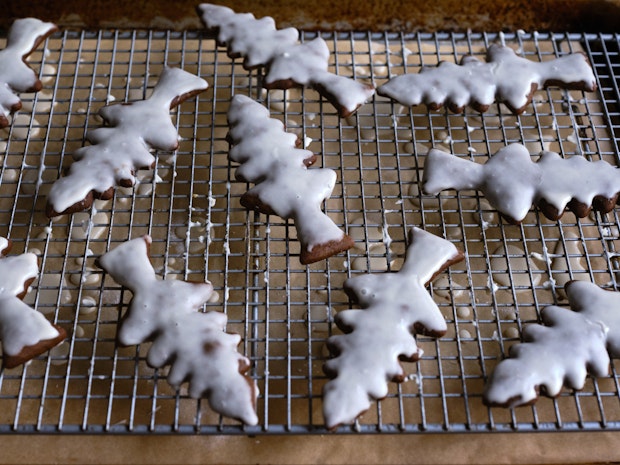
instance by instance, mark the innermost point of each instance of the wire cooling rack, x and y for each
(284, 311)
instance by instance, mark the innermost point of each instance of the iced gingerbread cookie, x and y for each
(504, 77)
(598, 305)
(512, 182)
(570, 345)
(24, 332)
(377, 337)
(284, 185)
(193, 343)
(288, 63)
(124, 144)
(16, 76)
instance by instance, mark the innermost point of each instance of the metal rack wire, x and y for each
(190, 205)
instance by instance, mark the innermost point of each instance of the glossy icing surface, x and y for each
(560, 353)
(15, 74)
(505, 77)
(288, 62)
(124, 145)
(512, 182)
(270, 159)
(570, 345)
(393, 307)
(20, 325)
(193, 343)
(5, 245)
(598, 305)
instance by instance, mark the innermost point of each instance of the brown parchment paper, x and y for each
(528, 448)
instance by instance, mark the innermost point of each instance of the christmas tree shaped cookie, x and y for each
(505, 77)
(124, 144)
(394, 306)
(24, 332)
(16, 76)
(600, 305)
(288, 63)
(193, 343)
(561, 352)
(284, 185)
(512, 182)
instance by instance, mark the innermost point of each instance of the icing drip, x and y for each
(24, 37)
(567, 258)
(283, 183)
(124, 145)
(505, 77)
(193, 343)
(561, 352)
(393, 306)
(288, 63)
(512, 182)
(24, 332)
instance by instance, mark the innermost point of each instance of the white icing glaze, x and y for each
(125, 144)
(287, 61)
(560, 353)
(505, 76)
(20, 325)
(269, 158)
(598, 305)
(512, 182)
(15, 74)
(4, 245)
(192, 342)
(393, 304)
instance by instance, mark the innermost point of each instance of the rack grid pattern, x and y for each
(189, 204)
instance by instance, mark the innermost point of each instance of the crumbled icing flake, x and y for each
(393, 306)
(283, 183)
(193, 343)
(24, 332)
(288, 62)
(562, 352)
(512, 182)
(124, 144)
(16, 76)
(504, 77)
